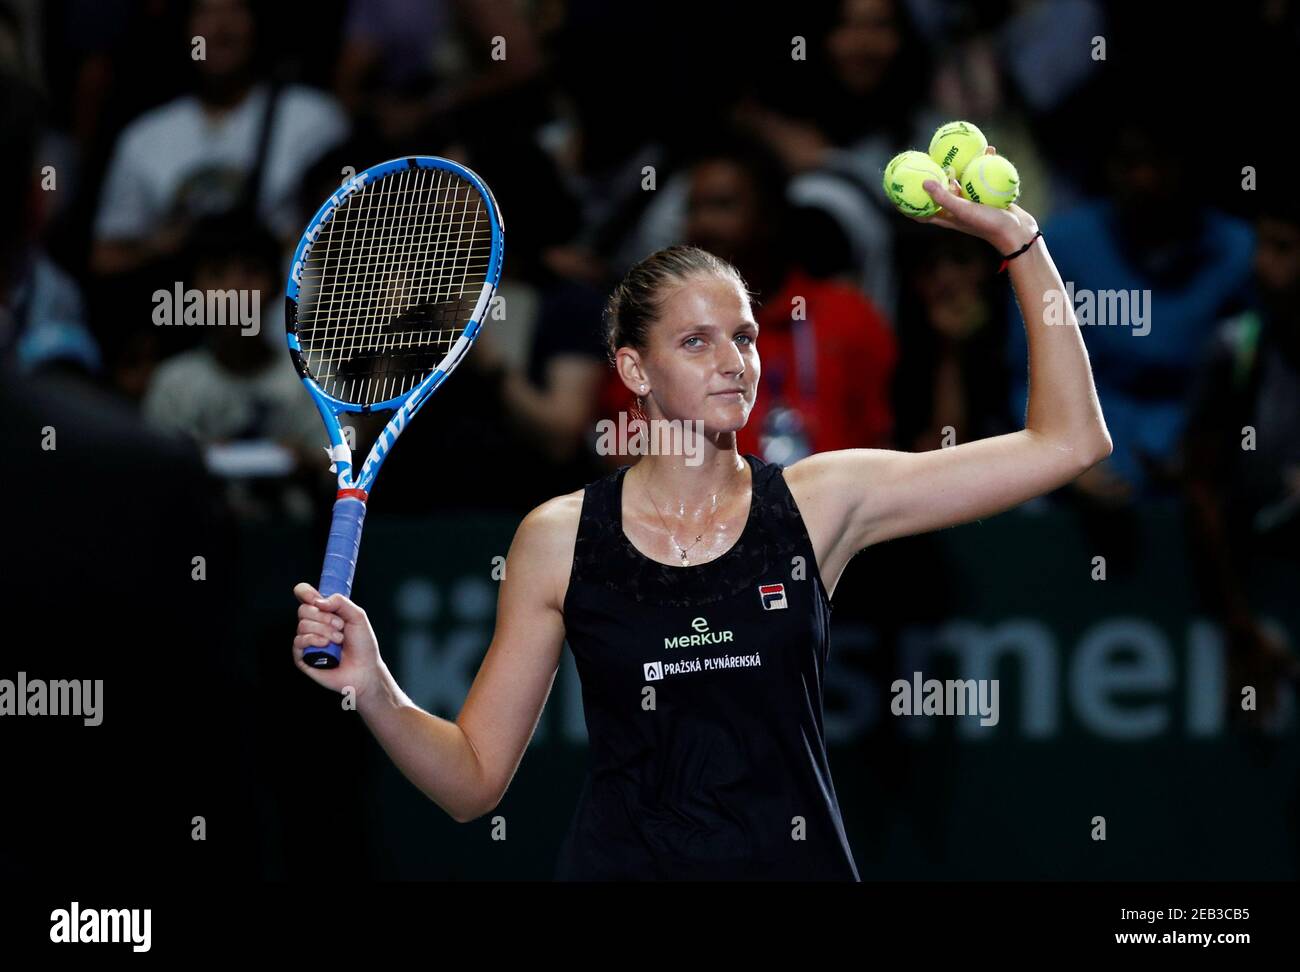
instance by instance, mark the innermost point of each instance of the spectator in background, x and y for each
(411, 65)
(553, 396)
(1179, 263)
(95, 69)
(827, 352)
(388, 53)
(951, 382)
(868, 98)
(1246, 501)
(871, 82)
(1023, 72)
(41, 318)
(236, 388)
(1008, 71)
(626, 128)
(236, 141)
(17, 52)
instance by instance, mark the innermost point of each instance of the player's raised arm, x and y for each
(463, 766)
(854, 498)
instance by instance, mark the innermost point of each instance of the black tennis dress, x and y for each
(721, 772)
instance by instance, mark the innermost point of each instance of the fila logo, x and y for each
(654, 671)
(773, 597)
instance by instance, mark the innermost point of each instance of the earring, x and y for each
(643, 387)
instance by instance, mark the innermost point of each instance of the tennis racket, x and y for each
(388, 289)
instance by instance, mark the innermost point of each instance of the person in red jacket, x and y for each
(828, 353)
(829, 369)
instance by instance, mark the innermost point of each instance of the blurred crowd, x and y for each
(150, 145)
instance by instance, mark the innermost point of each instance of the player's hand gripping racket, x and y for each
(388, 289)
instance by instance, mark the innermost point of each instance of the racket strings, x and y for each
(391, 283)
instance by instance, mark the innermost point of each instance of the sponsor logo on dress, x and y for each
(773, 597)
(703, 636)
(686, 666)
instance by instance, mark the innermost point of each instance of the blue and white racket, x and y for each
(388, 289)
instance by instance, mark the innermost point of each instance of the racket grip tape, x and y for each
(340, 565)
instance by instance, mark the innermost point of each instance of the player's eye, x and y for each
(747, 339)
(687, 343)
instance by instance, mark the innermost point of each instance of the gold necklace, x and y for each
(682, 552)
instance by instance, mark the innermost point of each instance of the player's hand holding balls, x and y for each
(339, 621)
(961, 183)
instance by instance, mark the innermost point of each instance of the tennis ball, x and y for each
(903, 177)
(992, 181)
(955, 145)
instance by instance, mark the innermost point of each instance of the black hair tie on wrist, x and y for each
(1009, 258)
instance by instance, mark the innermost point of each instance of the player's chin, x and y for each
(726, 413)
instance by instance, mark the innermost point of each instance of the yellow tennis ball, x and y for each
(903, 177)
(991, 180)
(955, 145)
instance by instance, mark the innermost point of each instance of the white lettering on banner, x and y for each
(1123, 678)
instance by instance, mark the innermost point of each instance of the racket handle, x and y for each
(340, 565)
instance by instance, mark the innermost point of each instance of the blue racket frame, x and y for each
(350, 503)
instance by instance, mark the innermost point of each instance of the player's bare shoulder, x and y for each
(545, 541)
(821, 482)
(555, 522)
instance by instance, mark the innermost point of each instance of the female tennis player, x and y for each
(694, 590)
